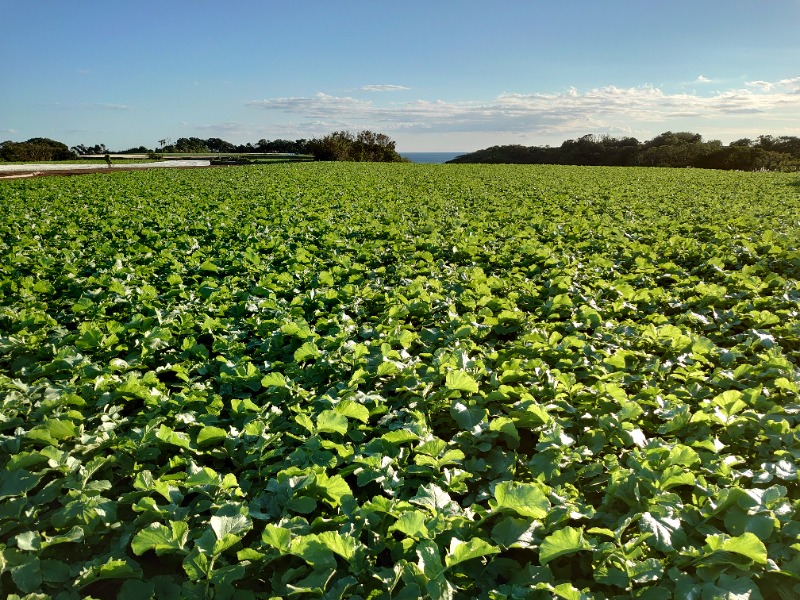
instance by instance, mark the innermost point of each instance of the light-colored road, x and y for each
(4, 168)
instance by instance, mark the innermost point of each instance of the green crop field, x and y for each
(400, 381)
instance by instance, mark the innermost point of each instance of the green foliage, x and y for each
(365, 146)
(681, 149)
(34, 149)
(400, 381)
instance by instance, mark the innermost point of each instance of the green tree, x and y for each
(35, 149)
(366, 146)
(190, 145)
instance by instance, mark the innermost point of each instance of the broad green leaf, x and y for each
(24, 460)
(273, 380)
(525, 499)
(344, 546)
(461, 551)
(53, 431)
(180, 439)
(682, 455)
(277, 537)
(400, 436)
(747, 545)
(511, 532)
(210, 435)
(738, 522)
(29, 541)
(730, 402)
(304, 505)
(28, 575)
(567, 591)
(249, 554)
(111, 569)
(209, 267)
(205, 476)
(227, 541)
(785, 384)
(305, 421)
(352, 410)
(144, 481)
(461, 381)
(387, 367)
(412, 523)
(467, 417)
(562, 542)
(161, 538)
(430, 561)
(729, 587)
(435, 499)
(227, 574)
(666, 530)
(312, 586)
(306, 352)
(196, 565)
(440, 589)
(505, 426)
(234, 523)
(647, 571)
(334, 488)
(330, 421)
(313, 551)
(55, 571)
(18, 482)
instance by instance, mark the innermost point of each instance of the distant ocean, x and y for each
(431, 158)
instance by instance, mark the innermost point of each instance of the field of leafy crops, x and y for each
(400, 381)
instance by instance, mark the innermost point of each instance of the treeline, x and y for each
(682, 149)
(364, 146)
(35, 149)
(340, 145)
(199, 145)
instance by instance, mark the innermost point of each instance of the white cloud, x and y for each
(319, 104)
(383, 88)
(607, 109)
(702, 79)
(762, 86)
(224, 127)
(792, 85)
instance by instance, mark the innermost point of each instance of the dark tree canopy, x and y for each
(35, 149)
(669, 149)
(365, 146)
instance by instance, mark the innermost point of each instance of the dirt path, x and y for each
(39, 170)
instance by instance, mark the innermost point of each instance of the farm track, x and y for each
(45, 170)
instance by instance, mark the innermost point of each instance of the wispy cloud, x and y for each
(384, 88)
(790, 85)
(319, 104)
(88, 106)
(3, 131)
(703, 79)
(761, 86)
(229, 127)
(606, 108)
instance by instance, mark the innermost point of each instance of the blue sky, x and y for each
(434, 75)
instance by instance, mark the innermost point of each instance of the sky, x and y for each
(434, 75)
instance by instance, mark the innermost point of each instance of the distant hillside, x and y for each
(669, 149)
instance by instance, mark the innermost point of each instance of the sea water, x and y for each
(432, 158)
